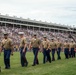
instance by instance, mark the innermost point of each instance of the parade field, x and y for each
(58, 67)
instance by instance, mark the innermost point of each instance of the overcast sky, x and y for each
(55, 11)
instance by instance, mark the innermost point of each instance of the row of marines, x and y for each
(45, 46)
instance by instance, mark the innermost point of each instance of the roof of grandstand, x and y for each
(27, 22)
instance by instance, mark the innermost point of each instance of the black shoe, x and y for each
(49, 61)
(53, 59)
(23, 65)
(44, 63)
(59, 59)
(26, 64)
(7, 67)
(37, 63)
(33, 65)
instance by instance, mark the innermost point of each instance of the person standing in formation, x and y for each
(35, 45)
(59, 48)
(53, 48)
(72, 48)
(23, 49)
(66, 49)
(7, 46)
(46, 51)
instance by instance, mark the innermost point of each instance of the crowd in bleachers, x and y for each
(13, 34)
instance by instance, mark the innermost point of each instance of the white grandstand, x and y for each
(13, 25)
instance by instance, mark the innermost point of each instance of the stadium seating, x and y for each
(29, 33)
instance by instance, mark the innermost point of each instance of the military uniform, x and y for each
(35, 43)
(7, 47)
(53, 49)
(46, 51)
(59, 45)
(66, 50)
(23, 54)
(75, 49)
(72, 47)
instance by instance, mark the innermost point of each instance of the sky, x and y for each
(55, 11)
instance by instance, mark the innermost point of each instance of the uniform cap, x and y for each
(52, 38)
(66, 39)
(58, 38)
(71, 40)
(45, 36)
(35, 34)
(21, 33)
(5, 33)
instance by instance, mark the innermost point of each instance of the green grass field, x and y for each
(58, 67)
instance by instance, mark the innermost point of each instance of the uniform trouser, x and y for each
(23, 57)
(58, 53)
(69, 54)
(35, 52)
(7, 54)
(66, 52)
(72, 52)
(53, 54)
(46, 53)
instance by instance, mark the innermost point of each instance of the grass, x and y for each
(58, 67)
